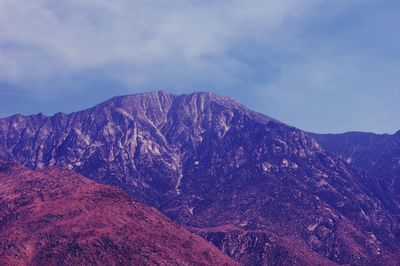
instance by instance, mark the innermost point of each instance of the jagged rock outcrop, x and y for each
(207, 161)
(257, 247)
(377, 154)
(57, 217)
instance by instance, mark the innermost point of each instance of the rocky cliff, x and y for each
(377, 154)
(206, 161)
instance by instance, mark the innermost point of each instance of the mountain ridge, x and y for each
(376, 154)
(208, 162)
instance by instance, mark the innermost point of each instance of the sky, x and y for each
(320, 65)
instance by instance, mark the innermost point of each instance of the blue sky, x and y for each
(320, 65)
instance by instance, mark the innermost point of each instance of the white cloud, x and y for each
(131, 40)
(286, 58)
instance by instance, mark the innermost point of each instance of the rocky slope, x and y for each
(208, 162)
(378, 154)
(56, 217)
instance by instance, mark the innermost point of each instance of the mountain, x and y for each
(378, 154)
(263, 192)
(57, 217)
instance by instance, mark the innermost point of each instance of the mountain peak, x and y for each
(155, 107)
(161, 96)
(204, 160)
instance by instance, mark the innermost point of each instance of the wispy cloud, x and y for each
(276, 56)
(132, 40)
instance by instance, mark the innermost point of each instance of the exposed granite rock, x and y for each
(377, 154)
(255, 247)
(207, 161)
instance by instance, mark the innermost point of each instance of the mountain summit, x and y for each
(260, 190)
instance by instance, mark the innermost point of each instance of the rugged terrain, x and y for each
(210, 163)
(57, 217)
(377, 154)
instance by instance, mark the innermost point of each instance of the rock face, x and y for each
(57, 217)
(208, 162)
(379, 155)
(257, 247)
